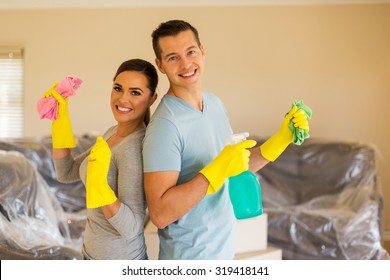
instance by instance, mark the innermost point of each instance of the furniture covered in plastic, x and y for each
(40, 218)
(324, 201)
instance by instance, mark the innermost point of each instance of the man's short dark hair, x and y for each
(171, 28)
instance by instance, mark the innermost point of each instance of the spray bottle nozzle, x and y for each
(237, 138)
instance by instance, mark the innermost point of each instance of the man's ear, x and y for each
(159, 65)
(202, 50)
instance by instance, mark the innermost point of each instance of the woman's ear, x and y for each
(153, 99)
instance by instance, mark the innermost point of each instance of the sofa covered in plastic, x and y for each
(40, 218)
(324, 201)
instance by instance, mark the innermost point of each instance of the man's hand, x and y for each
(276, 144)
(233, 160)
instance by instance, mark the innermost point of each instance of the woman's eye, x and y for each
(118, 89)
(134, 92)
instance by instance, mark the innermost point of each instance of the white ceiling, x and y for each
(47, 4)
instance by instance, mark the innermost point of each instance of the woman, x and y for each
(112, 170)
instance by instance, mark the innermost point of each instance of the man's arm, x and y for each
(257, 161)
(167, 202)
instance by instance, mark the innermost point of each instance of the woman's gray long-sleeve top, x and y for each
(121, 236)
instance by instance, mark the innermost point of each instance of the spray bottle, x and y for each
(244, 188)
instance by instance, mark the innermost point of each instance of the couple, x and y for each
(177, 164)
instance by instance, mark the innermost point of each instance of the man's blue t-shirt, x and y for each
(182, 138)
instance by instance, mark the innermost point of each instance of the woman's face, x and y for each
(130, 97)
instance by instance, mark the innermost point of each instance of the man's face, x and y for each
(182, 59)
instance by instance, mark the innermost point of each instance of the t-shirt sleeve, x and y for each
(162, 146)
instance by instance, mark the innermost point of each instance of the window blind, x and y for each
(11, 93)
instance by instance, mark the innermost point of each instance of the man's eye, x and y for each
(172, 58)
(192, 53)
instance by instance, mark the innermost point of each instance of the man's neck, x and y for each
(192, 97)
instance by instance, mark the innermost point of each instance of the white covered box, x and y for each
(251, 234)
(270, 253)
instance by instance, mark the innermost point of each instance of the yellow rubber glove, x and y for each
(62, 134)
(276, 144)
(233, 160)
(98, 192)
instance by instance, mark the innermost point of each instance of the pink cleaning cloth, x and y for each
(48, 106)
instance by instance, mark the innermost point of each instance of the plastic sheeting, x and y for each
(53, 217)
(33, 224)
(324, 201)
(38, 150)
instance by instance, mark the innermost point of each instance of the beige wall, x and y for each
(258, 60)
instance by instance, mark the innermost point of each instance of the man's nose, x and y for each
(185, 62)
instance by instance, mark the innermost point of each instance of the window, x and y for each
(11, 93)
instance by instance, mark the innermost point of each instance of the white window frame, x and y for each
(11, 92)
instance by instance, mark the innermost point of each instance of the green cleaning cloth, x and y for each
(299, 135)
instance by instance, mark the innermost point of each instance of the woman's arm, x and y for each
(127, 213)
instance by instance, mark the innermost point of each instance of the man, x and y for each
(186, 162)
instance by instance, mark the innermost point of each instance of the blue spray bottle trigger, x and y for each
(244, 189)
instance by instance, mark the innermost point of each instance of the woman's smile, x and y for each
(123, 110)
